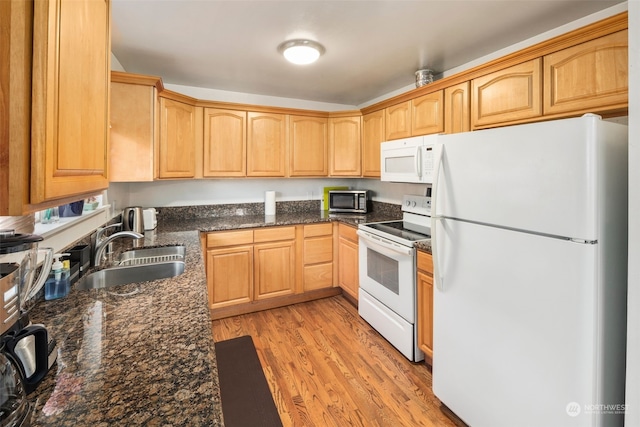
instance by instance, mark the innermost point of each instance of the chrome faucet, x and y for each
(101, 244)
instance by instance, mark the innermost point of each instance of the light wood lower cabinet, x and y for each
(274, 269)
(424, 284)
(267, 267)
(348, 278)
(274, 257)
(249, 265)
(230, 276)
(318, 256)
(507, 96)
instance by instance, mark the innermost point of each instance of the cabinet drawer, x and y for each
(318, 276)
(274, 234)
(348, 232)
(319, 249)
(229, 238)
(324, 229)
(425, 262)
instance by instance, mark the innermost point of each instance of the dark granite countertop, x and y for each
(143, 353)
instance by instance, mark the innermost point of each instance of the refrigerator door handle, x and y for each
(435, 217)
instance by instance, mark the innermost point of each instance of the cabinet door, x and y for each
(348, 274)
(266, 144)
(427, 114)
(176, 157)
(274, 269)
(16, 20)
(345, 158)
(397, 121)
(307, 146)
(591, 76)
(348, 266)
(456, 108)
(372, 136)
(225, 143)
(425, 313)
(507, 96)
(70, 110)
(134, 118)
(229, 276)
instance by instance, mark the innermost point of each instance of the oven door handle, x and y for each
(384, 246)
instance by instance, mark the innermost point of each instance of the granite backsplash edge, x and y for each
(171, 213)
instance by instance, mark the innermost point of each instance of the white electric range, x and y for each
(387, 272)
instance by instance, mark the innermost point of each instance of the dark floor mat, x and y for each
(245, 394)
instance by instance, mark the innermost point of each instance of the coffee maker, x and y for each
(30, 346)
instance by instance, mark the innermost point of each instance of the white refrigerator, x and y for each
(529, 237)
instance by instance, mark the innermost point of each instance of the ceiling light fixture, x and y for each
(301, 52)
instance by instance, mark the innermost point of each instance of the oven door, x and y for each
(387, 272)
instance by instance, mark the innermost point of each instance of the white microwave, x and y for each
(408, 159)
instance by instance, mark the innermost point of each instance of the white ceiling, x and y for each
(372, 47)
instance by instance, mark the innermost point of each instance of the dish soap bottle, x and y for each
(57, 285)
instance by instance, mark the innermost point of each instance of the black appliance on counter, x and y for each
(29, 346)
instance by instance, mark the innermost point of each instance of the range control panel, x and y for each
(420, 205)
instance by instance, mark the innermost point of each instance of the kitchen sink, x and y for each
(151, 255)
(123, 275)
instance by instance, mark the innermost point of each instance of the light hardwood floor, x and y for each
(327, 367)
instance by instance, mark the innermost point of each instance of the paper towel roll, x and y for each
(270, 203)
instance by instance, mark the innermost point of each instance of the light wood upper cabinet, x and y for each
(507, 96)
(134, 127)
(345, 147)
(397, 121)
(427, 114)
(372, 136)
(266, 144)
(456, 108)
(177, 151)
(70, 110)
(225, 143)
(16, 21)
(308, 146)
(589, 77)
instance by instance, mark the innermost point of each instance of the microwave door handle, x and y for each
(418, 161)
